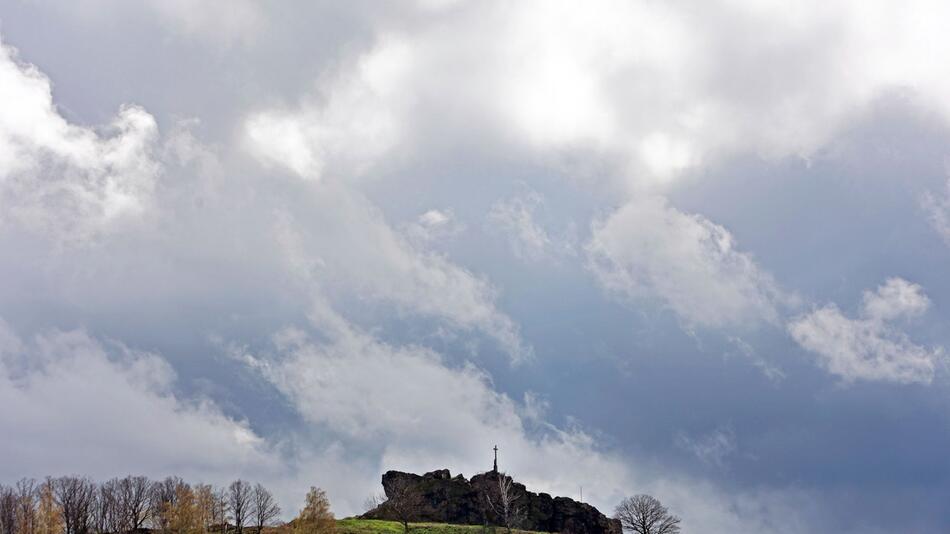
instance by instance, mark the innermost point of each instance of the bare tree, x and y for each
(7, 510)
(75, 495)
(374, 501)
(220, 507)
(110, 507)
(134, 495)
(405, 501)
(239, 501)
(503, 502)
(264, 509)
(204, 505)
(26, 506)
(105, 508)
(644, 514)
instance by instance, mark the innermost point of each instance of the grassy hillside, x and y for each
(375, 526)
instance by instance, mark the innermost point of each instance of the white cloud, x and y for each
(648, 249)
(645, 89)
(280, 139)
(65, 180)
(117, 409)
(896, 298)
(435, 218)
(937, 208)
(870, 347)
(769, 369)
(657, 87)
(376, 262)
(75, 184)
(712, 448)
(433, 225)
(515, 218)
(344, 128)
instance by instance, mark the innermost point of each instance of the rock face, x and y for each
(447, 499)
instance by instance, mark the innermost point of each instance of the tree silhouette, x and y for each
(644, 514)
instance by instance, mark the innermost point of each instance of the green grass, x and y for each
(376, 526)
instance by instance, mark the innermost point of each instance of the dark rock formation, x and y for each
(456, 500)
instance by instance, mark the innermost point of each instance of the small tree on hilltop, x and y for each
(134, 502)
(239, 502)
(405, 501)
(374, 501)
(220, 508)
(204, 506)
(105, 507)
(265, 510)
(644, 514)
(316, 517)
(74, 496)
(503, 502)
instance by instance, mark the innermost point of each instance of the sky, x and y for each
(690, 249)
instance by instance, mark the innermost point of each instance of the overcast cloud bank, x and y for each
(313, 243)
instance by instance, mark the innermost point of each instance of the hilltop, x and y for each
(353, 525)
(440, 498)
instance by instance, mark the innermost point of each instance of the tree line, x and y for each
(135, 504)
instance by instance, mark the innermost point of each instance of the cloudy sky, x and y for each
(694, 249)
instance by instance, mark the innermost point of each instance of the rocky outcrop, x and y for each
(447, 499)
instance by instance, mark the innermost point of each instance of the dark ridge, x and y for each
(447, 499)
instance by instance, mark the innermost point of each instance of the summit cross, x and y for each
(495, 468)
